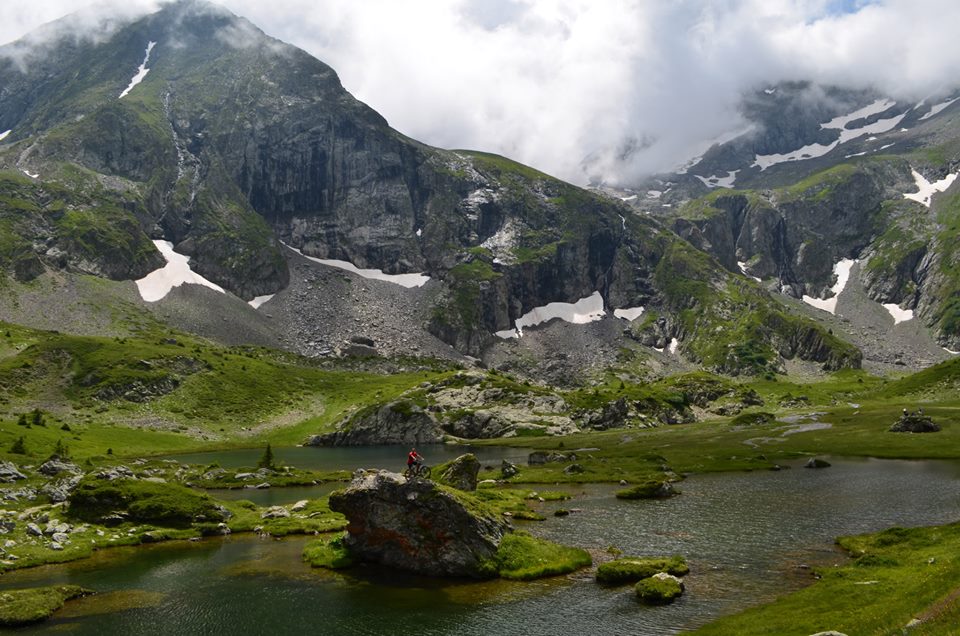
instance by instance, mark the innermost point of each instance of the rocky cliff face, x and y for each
(417, 526)
(234, 141)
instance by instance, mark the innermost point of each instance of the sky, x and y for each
(590, 90)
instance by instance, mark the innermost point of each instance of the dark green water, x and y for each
(746, 536)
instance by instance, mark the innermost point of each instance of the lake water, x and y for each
(747, 536)
(351, 457)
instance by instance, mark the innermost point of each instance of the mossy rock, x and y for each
(165, 504)
(524, 557)
(332, 554)
(633, 569)
(653, 489)
(659, 589)
(23, 607)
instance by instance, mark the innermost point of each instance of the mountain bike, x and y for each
(417, 470)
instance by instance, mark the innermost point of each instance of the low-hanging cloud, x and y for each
(586, 90)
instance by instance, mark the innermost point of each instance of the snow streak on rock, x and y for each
(141, 72)
(30, 174)
(813, 151)
(743, 269)
(4, 134)
(589, 309)
(158, 283)
(842, 271)
(935, 110)
(404, 280)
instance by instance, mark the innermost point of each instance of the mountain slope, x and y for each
(194, 127)
(825, 176)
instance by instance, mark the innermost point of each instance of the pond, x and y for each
(749, 537)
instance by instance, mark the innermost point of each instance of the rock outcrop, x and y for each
(10, 473)
(418, 526)
(398, 422)
(914, 423)
(462, 472)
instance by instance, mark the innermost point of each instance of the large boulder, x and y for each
(400, 422)
(419, 526)
(462, 472)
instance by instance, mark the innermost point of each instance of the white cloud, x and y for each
(630, 85)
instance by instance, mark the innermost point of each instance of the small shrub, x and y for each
(19, 447)
(266, 461)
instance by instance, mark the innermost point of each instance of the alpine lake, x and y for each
(748, 537)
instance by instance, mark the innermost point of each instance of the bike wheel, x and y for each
(424, 471)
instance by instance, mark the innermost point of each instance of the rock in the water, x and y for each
(659, 589)
(462, 472)
(418, 526)
(816, 462)
(914, 423)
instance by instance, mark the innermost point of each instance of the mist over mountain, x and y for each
(636, 87)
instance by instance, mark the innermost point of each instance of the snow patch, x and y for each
(628, 313)
(259, 300)
(899, 315)
(404, 280)
(623, 221)
(141, 72)
(672, 348)
(719, 182)
(955, 353)
(743, 269)
(158, 283)
(419, 232)
(632, 197)
(812, 151)
(935, 110)
(30, 174)
(926, 190)
(4, 134)
(651, 194)
(840, 123)
(842, 271)
(588, 309)
(769, 91)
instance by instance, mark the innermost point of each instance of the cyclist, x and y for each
(414, 459)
